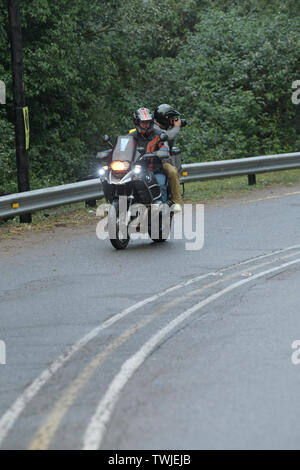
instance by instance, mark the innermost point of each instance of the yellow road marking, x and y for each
(46, 432)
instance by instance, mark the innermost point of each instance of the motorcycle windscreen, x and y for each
(125, 149)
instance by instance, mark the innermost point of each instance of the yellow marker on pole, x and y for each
(26, 126)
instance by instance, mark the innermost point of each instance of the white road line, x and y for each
(11, 415)
(9, 418)
(95, 431)
(46, 433)
(283, 250)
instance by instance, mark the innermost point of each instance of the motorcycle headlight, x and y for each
(103, 170)
(120, 166)
(137, 169)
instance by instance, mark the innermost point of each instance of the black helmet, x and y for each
(164, 113)
(143, 114)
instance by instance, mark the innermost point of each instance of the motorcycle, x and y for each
(127, 173)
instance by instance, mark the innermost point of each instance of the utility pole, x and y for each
(14, 13)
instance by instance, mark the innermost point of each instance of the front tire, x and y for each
(114, 226)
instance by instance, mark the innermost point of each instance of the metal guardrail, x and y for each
(242, 166)
(32, 201)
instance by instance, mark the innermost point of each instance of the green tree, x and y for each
(227, 65)
(233, 79)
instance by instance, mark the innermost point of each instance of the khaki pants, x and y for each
(174, 182)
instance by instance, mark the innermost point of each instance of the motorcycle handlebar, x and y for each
(147, 155)
(151, 155)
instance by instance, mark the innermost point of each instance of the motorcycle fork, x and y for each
(129, 204)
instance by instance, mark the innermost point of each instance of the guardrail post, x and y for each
(91, 203)
(251, 180)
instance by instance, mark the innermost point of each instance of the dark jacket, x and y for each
(150, 144)
(171, 133)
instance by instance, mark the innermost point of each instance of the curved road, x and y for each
(156, 347)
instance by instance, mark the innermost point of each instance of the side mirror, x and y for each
(106, 139)
(163, 137)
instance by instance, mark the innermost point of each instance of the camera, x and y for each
(175, 119)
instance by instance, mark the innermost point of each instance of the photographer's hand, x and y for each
(176, 122)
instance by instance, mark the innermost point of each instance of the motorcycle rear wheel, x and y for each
(162, 235)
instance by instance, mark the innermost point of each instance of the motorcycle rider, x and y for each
(149, 138)
(168, 120)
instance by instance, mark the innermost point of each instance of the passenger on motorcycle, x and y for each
(168, 120)
(149, 139)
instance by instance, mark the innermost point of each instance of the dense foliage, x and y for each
(227, 65)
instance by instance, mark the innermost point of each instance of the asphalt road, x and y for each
(155, 347)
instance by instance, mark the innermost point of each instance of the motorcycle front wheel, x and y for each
(114, 225)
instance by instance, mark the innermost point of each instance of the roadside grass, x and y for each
(79, 216)
(71, 216)
(210, 191)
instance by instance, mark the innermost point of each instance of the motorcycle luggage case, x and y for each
(176, 158)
